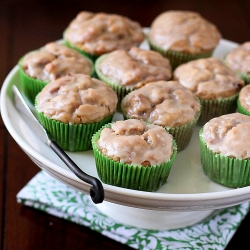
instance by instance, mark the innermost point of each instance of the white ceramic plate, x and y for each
(187, 188)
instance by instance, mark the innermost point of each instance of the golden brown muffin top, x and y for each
(134, 68)
(77, 99)
(227, 135)
(208, 78)
(53, 61)
(99, 33)
(136, 142)
(164, 103)
(184, 31)
(238, 59)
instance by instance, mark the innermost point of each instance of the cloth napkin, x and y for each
(45, 193)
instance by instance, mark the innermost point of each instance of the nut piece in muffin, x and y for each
(72, 108)
(133, 154)
(97, 33)
(225, 152)
(183, 36)
(216, 85)
(128, 70)
(238, 59)
(167, 104)
(54, 60)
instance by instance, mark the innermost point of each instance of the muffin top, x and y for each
(239, 58)
(76, 99)
(164, 103)
(244, 97)
(134, 68)
(135, 142)
(208, 78)
(227, 135)
(184, 31)
(53, 61)
(99, 33)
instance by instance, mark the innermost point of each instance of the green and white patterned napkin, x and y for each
(45, 193)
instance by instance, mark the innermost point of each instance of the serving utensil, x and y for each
(96, 190)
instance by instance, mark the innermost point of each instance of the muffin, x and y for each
(94, 34)
(216, 85)
(225, 152)
(72, 108)
(243, 101)
(39, 67)
(238, 59)
(133, 154)
(128, 70)
(167, 104)
(182, 36)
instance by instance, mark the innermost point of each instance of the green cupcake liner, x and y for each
(245, 77)
(182, 134)
(227, 171)
(92, 57)
(217, 107)
(71, 137)
(177, 58)
(241, 109)
(31, 86)
(121, 91)
(149, 178)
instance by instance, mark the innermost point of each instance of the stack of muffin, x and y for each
(163, 92)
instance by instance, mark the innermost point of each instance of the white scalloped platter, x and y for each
(188, 189)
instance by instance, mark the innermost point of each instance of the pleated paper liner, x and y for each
(92, 57)
(227, 171)
(71, 137)
(121, 91)
(177, 58)
(245, 77)
(149, 178)
(32, 86)
(182, 134)
(241, 109)
(217, 107)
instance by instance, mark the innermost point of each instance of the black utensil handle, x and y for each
(96, 191)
